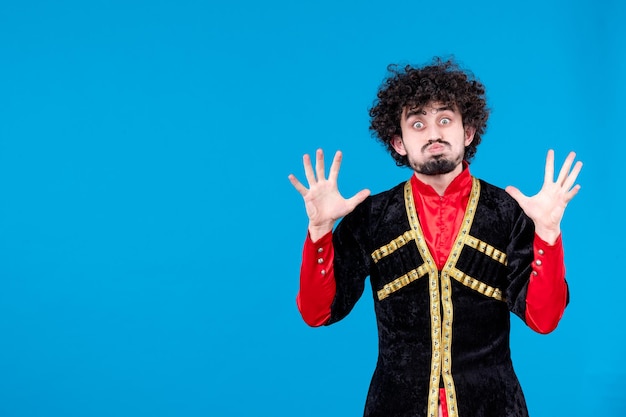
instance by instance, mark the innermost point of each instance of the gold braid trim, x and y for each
(448, 308)
(404, 280)
(416, 230)
(392, 246)
(430, 267)
(485, 248)
(477, 285)
(446, 368)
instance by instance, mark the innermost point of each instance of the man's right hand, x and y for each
(322, 200)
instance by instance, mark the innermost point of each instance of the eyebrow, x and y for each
(420, 111)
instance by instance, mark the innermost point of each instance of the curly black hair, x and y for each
(442, 81)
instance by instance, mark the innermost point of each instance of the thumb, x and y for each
(515, 193)
(358, 198)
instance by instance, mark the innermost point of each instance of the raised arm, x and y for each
(546, 208)
(324, 205)
(322, 200)
(547, 293)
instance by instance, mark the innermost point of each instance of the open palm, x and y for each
(547, 207)
(323, 202)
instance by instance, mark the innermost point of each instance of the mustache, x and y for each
(431, 141)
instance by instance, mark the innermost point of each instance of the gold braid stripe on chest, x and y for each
(463, 239)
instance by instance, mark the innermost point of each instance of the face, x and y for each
(433, 138)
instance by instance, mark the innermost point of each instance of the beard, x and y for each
(436, 166)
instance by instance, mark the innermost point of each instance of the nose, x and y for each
(434, 132)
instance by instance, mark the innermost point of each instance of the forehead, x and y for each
(432, 107)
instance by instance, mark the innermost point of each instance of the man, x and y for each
(449, 256)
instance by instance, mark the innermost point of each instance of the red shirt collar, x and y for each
(462, 184)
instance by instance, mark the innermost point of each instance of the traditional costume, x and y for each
(445, 271)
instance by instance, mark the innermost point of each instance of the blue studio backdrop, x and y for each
(150, 241)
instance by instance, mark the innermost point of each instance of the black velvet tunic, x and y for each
(447, 328)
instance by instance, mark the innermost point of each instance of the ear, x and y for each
(469, 134)
(398, 145)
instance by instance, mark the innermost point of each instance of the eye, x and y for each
(418, 125)
(445, 121)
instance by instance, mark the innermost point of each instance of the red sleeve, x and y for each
(547, 290)
(317, 280)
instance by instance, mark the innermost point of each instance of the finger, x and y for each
(297, 185)
(336, 165)
(549, 169)
(308, 169)
(571, 193)
(565, 168)
(571, 178)
(516, 194)
(358, 198)
(319, 164)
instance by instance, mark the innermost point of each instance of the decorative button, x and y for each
(538, 262)
(535, 273)
(540, 252)
(320, 260)
(320, 250)
(323, 272)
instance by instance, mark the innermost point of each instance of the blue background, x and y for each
(150, 240)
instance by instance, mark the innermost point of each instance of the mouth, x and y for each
(436, 148)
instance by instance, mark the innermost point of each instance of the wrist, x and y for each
(318, 231)
(549, 236)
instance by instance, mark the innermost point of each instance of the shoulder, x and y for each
(495, 197)
(391, 194)
(378, 203)
(378, 206)
(496, 206)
